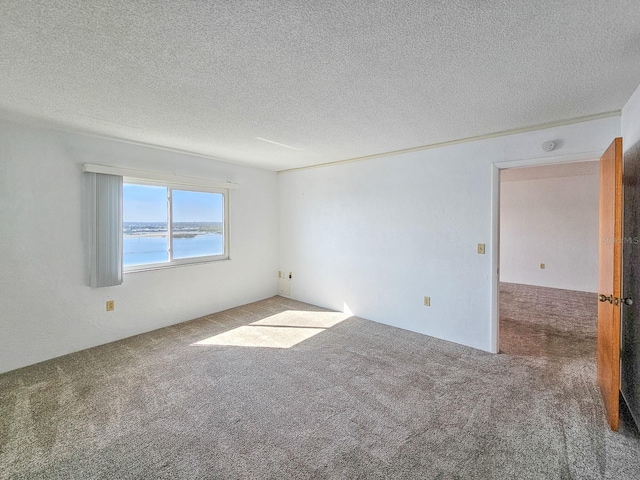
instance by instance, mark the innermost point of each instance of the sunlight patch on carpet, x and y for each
(283, 330)
(297, 318)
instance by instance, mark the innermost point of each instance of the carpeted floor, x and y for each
(339, 398)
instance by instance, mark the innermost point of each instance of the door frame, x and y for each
(494, 331)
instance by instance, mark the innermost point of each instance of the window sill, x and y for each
(164, 266)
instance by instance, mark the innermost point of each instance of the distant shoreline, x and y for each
(164, 234)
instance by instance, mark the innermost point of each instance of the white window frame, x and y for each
(170, 186)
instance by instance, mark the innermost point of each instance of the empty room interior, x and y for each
(548, 257)
(548, 263)
(330, 239)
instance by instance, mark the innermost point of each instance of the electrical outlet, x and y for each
(542, 267)
(284, 286)
(427, 301)
(279, 273)
(110, 305)
(481, 248)
(290, 274)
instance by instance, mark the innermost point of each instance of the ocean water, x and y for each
(143, 249)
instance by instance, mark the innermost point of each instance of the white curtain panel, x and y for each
(106, 230)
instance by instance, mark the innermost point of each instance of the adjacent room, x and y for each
(319, 240)
(548, 253)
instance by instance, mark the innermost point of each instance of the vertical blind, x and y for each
(106, 230)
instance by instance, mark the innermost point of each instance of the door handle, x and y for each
(604, 298)
(615, 300)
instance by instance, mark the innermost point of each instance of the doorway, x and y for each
(564, 162)
(549, 259)
(630, 325)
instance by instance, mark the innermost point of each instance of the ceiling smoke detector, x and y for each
(548, 146)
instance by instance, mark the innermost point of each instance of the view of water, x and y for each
(142, 249)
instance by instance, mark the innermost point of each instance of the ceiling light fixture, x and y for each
(276, 143)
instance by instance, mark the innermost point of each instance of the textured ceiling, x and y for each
(332, 79)
(550, 171)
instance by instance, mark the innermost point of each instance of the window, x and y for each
(165, 225)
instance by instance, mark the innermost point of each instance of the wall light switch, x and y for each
(427, 301)
(481, 248)
(110, 305)
(542, 267)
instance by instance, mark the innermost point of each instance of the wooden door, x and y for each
(609, 279)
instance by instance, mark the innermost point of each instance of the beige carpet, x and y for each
(281, 389)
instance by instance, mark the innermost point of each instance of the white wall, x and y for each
(47, 308)
(552, 221)
(377, 235)
(630, 122)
